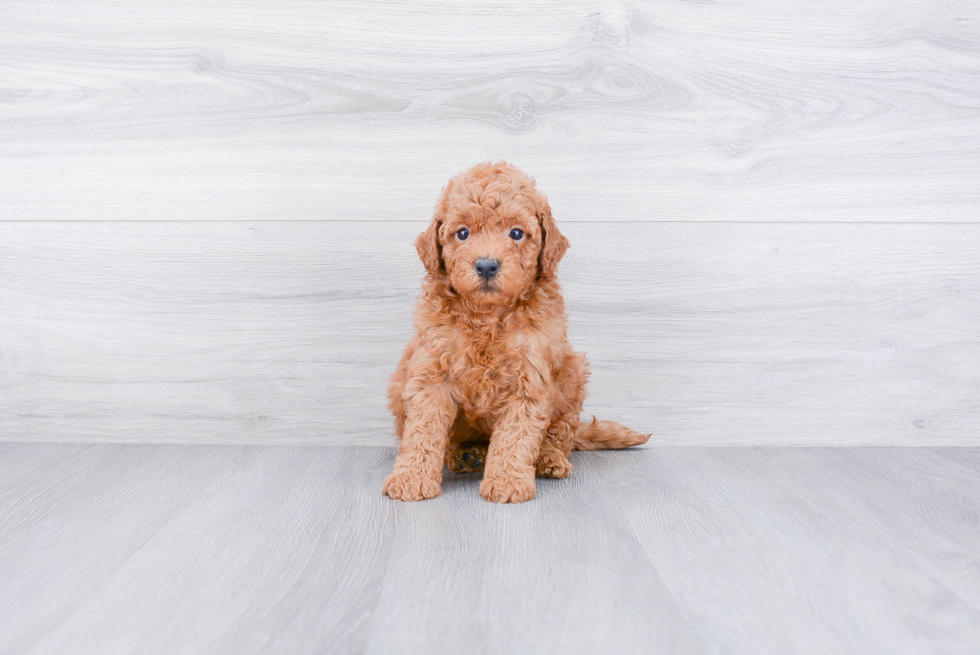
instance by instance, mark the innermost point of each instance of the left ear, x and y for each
(553, 243)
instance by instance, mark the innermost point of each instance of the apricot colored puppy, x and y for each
(489, 380)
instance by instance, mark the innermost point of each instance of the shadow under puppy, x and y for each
(489, 379)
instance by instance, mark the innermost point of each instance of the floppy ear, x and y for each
(430, 250)
(553, 243)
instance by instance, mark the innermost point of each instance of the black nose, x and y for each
(487, 268)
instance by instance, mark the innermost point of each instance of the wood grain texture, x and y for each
(812, 550)
(764, 111)
(194, 549)
(286, 332)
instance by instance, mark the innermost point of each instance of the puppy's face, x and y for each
(492, 236)
(491, 254)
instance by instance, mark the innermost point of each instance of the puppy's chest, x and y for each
(485, 373)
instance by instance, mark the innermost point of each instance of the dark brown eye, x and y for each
(516, 234)
(462, 233)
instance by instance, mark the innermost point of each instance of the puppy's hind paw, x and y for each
(553, 467)
(467, 458)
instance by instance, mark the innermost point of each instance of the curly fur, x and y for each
(489, 379)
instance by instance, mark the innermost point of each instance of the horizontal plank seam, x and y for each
(44, 221)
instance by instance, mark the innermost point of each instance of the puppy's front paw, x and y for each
(409, 485)
(507, 489)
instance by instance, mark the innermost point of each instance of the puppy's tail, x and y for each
(603, 435)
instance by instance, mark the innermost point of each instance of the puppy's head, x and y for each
(492, 236)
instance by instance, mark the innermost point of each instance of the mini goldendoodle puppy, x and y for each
(489, 381)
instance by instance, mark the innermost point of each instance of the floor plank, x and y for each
(281, 552)
(287, 332)
(968, 457)
(812, 550)
(561, 575)
(70, 524)
(111, 549)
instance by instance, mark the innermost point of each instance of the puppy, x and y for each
(489, 380)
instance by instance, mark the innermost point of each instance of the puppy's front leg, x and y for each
(417, 474)
(514, 446)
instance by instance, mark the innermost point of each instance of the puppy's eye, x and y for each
(516, 234)
(462, 233)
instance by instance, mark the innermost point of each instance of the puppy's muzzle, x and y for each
(487, 268)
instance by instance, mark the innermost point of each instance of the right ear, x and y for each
(430, 252)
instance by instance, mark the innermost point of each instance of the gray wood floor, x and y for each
(260, 549)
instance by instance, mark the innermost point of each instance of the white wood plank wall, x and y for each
(207, 210)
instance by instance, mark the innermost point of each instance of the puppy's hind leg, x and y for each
(557, 446)
(569, 385)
